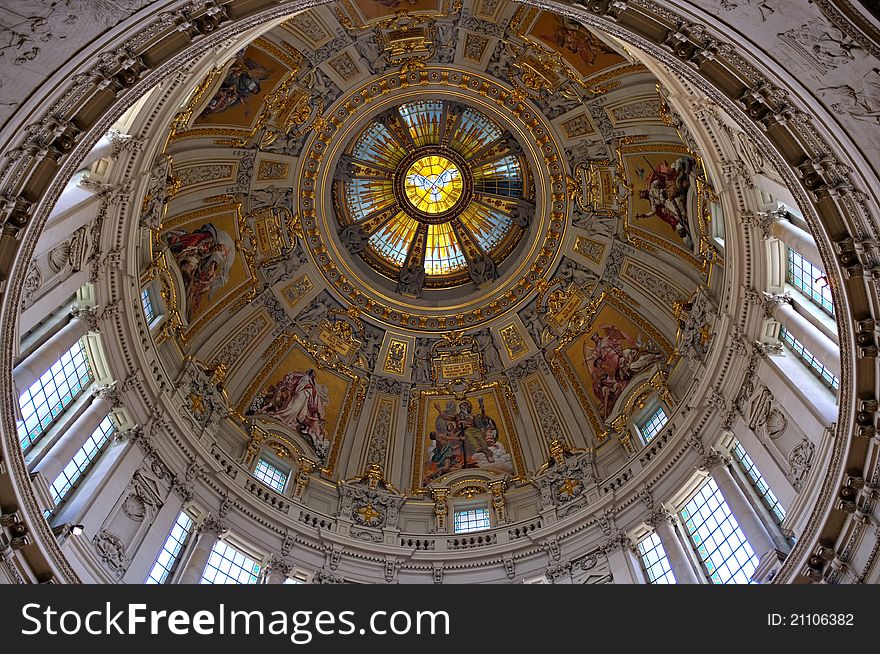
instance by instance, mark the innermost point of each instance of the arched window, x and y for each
(272, 473)
(720, 544)
(651, 425)
(48, 397)
(229, 565)
(83, 460)
(169, 556)
(655, 563)
(472, 519)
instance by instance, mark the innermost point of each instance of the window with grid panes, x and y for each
(809, 360)
(718, 540)
(79, 465)
(227, 565)
(809, 280)
(758, 482)
(470, 520)
(52, 393)
(652, 426)
(270, 475)
(654, 560)
(147, 303)
(170, 553)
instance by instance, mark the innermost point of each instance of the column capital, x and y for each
(279, 566)
(661, 517)
(766, 301)
(763, 220)
(87, 314)
(213, 526)
(714, 460)
(108, 393)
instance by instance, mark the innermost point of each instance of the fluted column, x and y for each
(39, 361)
(663, 523)
(62, 451)
(820, 346)
(797, 239)
(207, 535)
(749, 521)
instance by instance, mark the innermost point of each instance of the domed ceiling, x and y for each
(384, 221)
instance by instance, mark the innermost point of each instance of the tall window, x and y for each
(53, 392)
(147, 303)
(168, 557)
(228, 565)
(809, 280)
(807, 357)
(82, 460)
(270, 475)
(471, 520)
(652, 426)
(721, 545)
(757, 480)
(654, 560)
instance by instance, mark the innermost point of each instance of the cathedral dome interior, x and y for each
(441, 291)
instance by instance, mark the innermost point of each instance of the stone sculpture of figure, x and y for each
(354, 238)
(271, 196)
(534, 323)
(346, 170)
(421, 373)
(491, 356)
(446, 36)
(319, 306)
(521, 214)
(513, 147)
(482, 270)
(371, 345)
(411, 279)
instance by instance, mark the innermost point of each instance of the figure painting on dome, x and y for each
(613, 359)
(666, 188)
(205, 257)
(464, 434)
(586, 52)
(305, 399)
(609, 356)
(299, 401)
(251, 76)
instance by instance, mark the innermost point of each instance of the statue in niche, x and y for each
(421, 373)
(346, 170)
(411, 279)
(491, 356)
(522, 213)
(354, 238)
(533, 321)
(316, 310)
(482, 270)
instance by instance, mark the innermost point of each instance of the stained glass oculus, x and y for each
(434, 185)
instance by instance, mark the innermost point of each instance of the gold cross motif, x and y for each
(568, 487)
(368, 513)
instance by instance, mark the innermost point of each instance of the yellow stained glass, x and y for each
(433, 184)
(443, 252)
(393, 239)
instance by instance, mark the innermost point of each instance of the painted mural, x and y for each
(462, 434)
(304, 399)
(586, 52)
(662, 199)
(205, 254)
(608, 356)
(251, 76)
